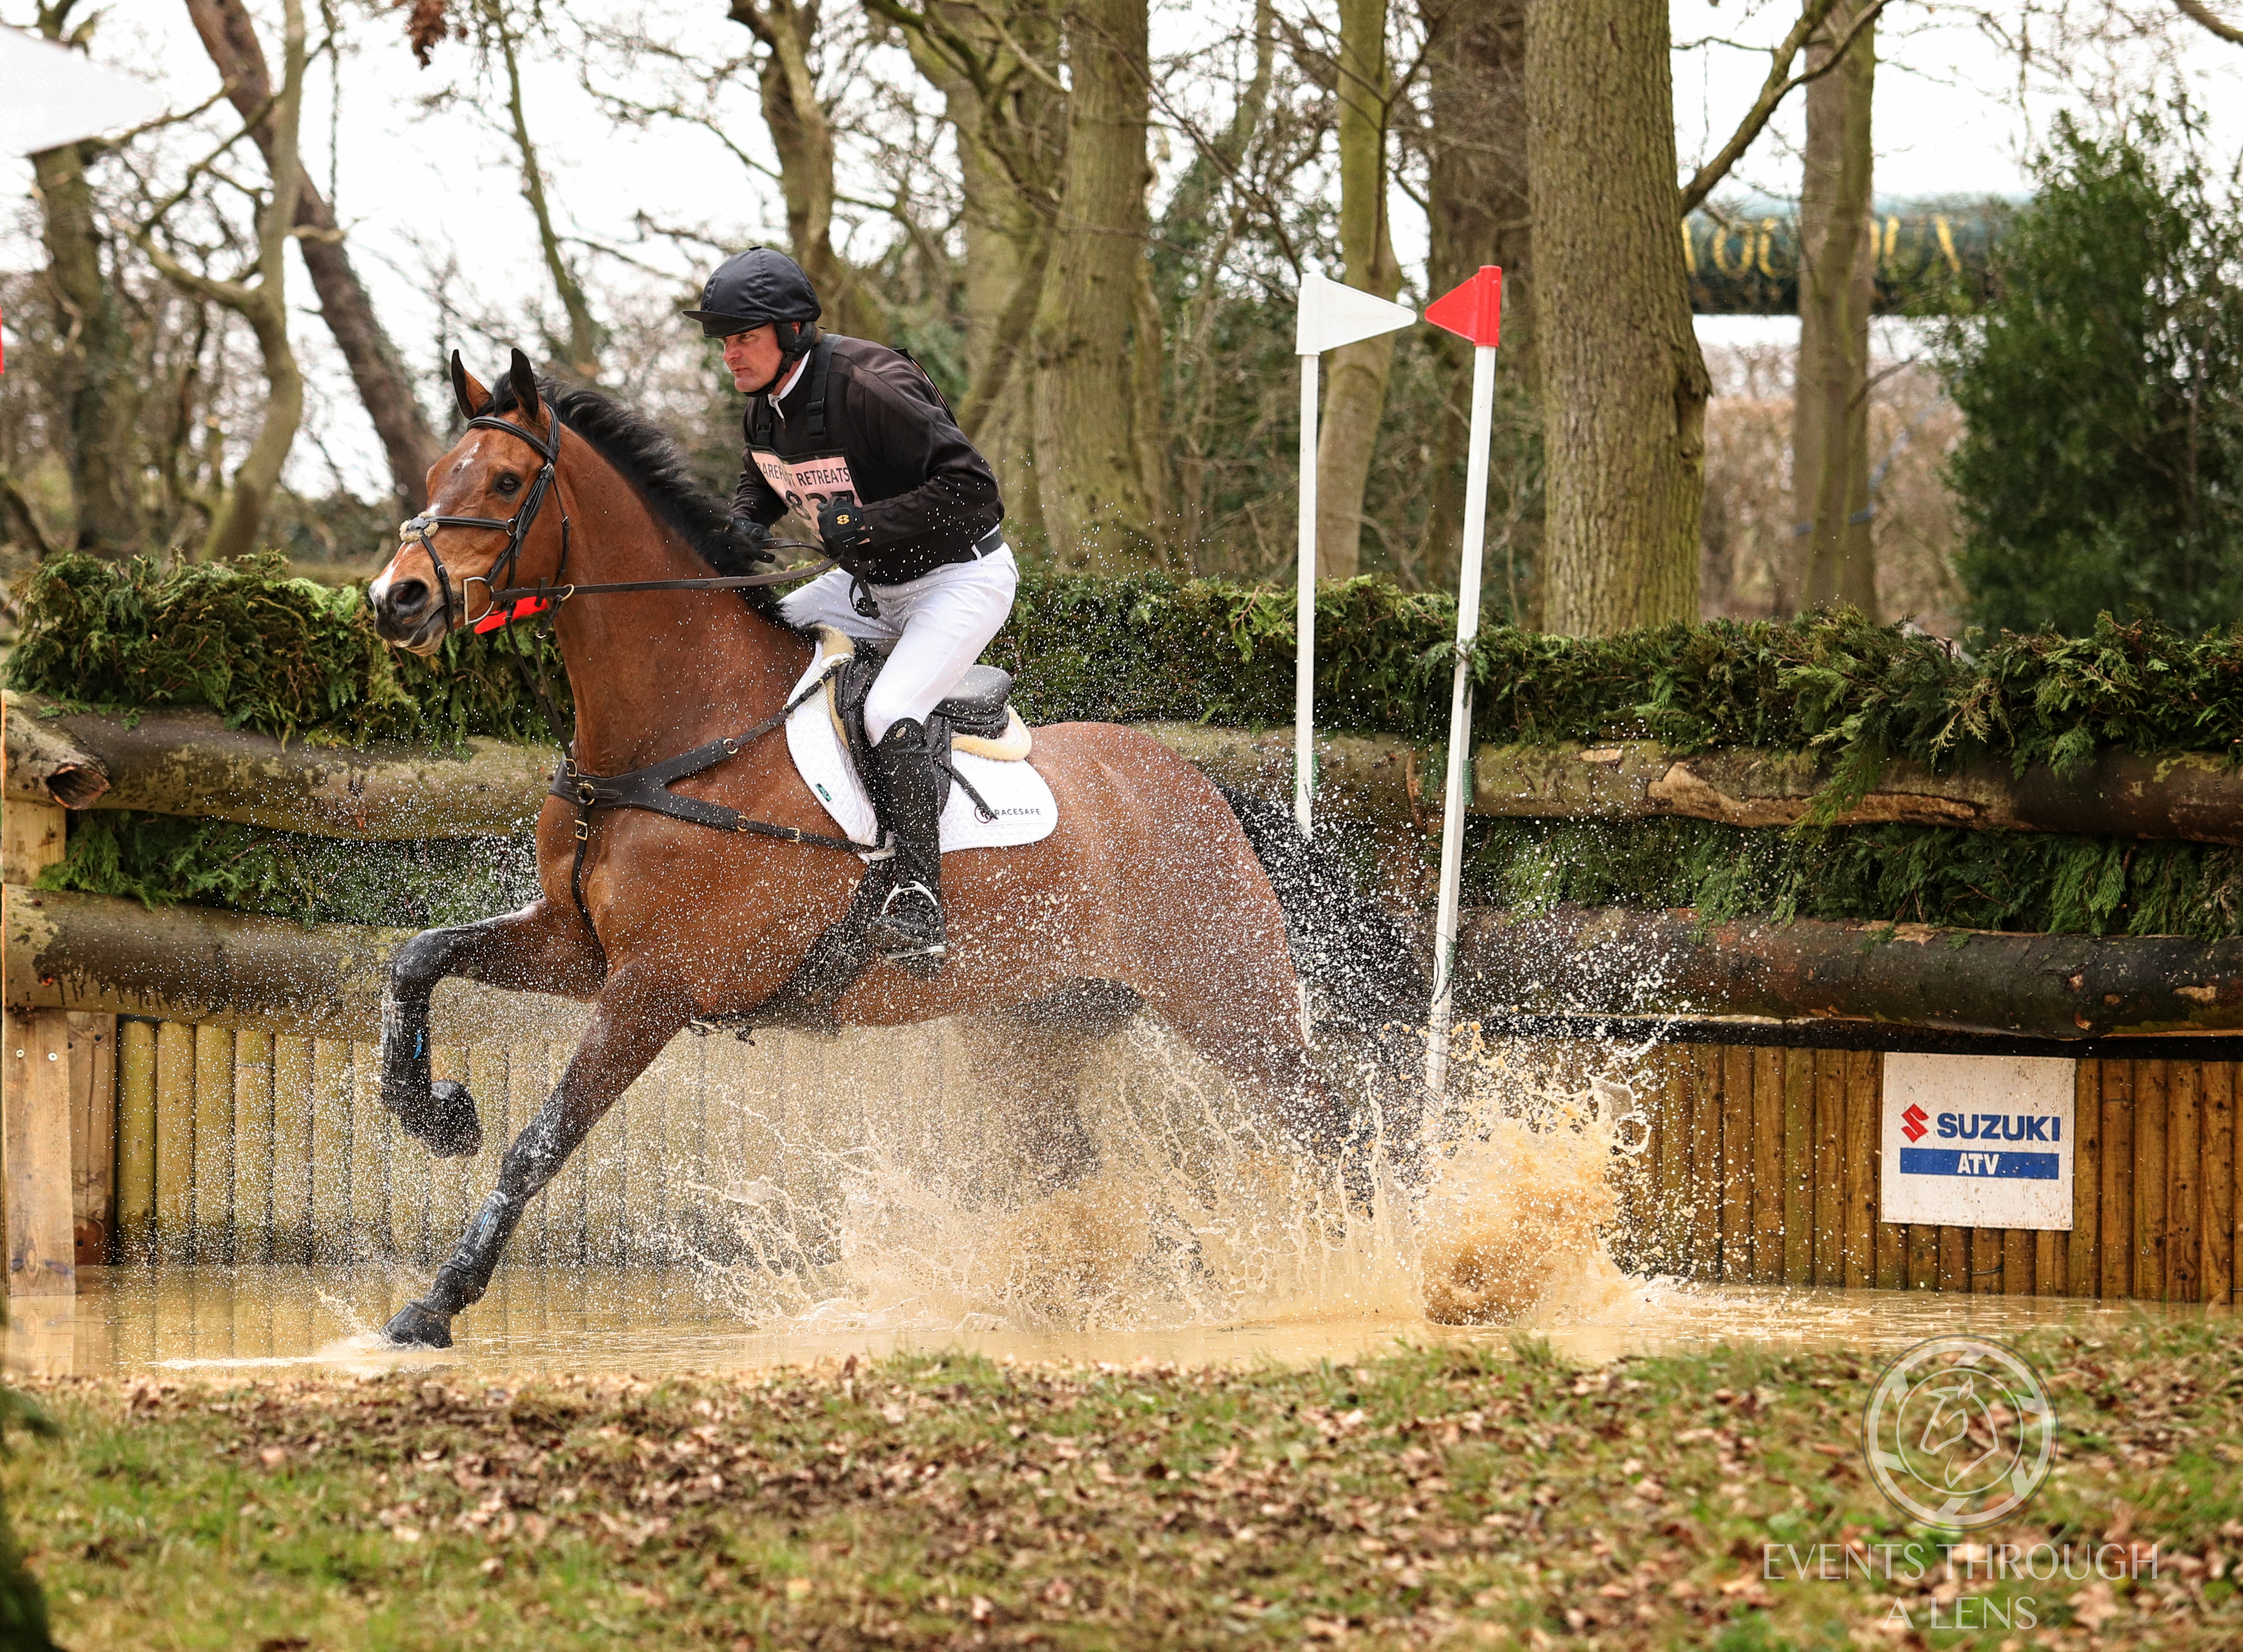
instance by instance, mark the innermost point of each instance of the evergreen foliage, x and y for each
(290, 656)
(163, 859)
(2040, 883)
(2102, 385)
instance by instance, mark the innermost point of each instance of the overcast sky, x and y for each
(410, 183)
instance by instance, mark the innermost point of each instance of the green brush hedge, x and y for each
(292, 657)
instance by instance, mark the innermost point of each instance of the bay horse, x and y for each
(1150, 889)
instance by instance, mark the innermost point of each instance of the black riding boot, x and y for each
(908, 929)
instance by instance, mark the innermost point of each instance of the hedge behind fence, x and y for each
(293, 657)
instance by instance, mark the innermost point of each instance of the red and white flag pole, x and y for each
(1472, 311)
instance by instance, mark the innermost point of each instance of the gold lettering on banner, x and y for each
(1768, 228)
(1721, 240)
(1947, 243)
(1689, 249)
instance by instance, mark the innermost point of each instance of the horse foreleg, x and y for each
(539, 947)
(633, 1022)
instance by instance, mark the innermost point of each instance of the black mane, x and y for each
(647, 458)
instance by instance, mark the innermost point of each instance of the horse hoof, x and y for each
(454, 1131)
(417, 1326)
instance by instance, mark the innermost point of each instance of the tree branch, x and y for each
(2197, 11)
(1781, 83)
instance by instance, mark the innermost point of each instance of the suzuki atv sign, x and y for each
(1978, 1140)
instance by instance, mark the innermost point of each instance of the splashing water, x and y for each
(1158, 1197)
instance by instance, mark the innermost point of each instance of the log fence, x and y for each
(153, 1115)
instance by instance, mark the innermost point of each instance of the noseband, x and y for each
(515, 528)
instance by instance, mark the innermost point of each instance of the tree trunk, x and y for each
(1476, 185)
(1624, 386)
(804, 139)
(1010, 122)
(263, 305)
(1095, 505)
(229, 38)
(1837, 271)
(585, 335)
(101, 390)
(101, 381)
(1355, 397)
(1617, 961)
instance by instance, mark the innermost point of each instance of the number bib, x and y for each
(807, 484)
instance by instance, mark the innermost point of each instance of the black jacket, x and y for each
(928, 496)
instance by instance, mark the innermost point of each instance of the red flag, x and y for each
(1474, 310)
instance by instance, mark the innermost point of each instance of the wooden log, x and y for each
(1799, 1149)
(2183, 1282)
(1615, 960)
(136, 1140)
(252, 1146)
(93, 1135)
(331, 1103)
(175, 761)
(372, 1145)
(36, 1139)
(213, 1154)
(192, 964)
(187, 762)
(2118, 1214)
(175, 1139)
(293, 1080)
(2085, 1258)
(2217, 1270)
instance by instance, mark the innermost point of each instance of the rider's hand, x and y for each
(750, 539)
(841, 525)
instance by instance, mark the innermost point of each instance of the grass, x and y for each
(1449, 1495)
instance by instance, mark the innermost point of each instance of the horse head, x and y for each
(484, 528)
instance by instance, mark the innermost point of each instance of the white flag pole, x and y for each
(1452, 795)
(1304, 663)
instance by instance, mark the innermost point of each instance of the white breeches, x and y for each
(934, 627)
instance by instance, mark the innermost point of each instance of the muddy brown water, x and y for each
(222, 1322)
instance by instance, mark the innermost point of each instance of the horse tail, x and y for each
(1358, 954)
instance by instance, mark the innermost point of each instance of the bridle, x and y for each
(535, 599)
(515, 528)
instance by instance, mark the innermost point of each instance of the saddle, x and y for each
(977, 718)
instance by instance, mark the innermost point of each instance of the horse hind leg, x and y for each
(631, 1026)
(535, 948)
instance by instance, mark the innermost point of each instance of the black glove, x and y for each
(749, 540)
(841, 524)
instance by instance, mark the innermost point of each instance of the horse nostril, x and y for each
(408, 597)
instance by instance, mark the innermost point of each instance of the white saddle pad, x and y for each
(1016, 794)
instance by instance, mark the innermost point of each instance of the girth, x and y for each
(649, 789)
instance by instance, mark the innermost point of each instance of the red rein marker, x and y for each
(522, 609)
(1472, 311)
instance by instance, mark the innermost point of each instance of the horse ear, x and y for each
(471, 396)
(523, 377)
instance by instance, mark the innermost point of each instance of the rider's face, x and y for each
(753, 357)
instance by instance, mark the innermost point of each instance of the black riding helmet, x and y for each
(755, 286)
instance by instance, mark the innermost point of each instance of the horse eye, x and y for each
(508, 481)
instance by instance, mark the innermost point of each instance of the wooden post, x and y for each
(136, 1141)
(93, 1135)
(2218, 1227)
(2086, 1245)
(35, 1090)
(2184, 1280)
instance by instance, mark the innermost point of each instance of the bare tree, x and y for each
(101, 390)
(261, 301)
(407, 442)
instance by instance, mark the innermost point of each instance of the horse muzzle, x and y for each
(409, 612)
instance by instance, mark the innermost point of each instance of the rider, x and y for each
(855, 437)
